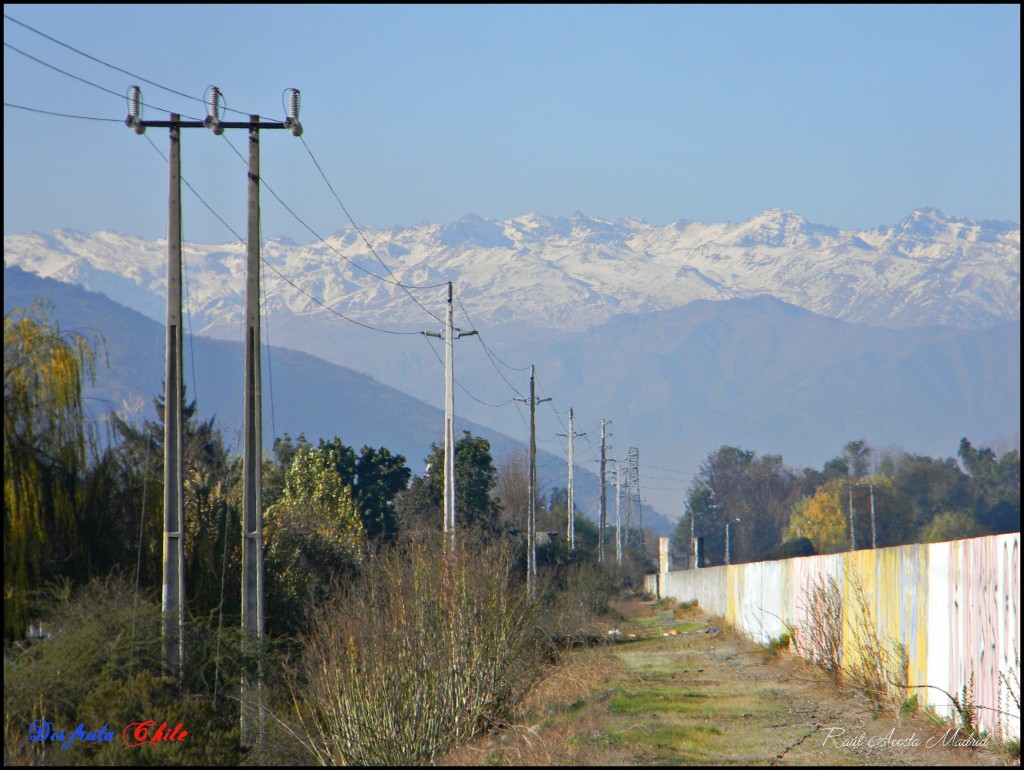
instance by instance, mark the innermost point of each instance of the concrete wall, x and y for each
(955, 606)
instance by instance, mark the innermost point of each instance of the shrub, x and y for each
(428, 648)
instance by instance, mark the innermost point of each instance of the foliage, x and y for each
(821, 518)
(422, 653)
(375, 477)
(995, 483)
(951, 525)
(100, 663)
(47, 436)
(788, 549)
(734, 483)
(475, 477)
(313, 536)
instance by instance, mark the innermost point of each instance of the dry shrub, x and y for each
(877, 669)
(426, 650)
(820, 640)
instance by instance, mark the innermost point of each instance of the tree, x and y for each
(952, 525)
(512, 491)
(822, 519)
(47, 439)
(375, 477)
(313, 537)
(734, 483)
(475, 477)
(995, 483)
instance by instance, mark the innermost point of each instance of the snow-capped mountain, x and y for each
(570, 273)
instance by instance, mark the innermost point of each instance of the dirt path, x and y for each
(703, 695)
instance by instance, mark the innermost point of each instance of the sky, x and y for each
(850, 115)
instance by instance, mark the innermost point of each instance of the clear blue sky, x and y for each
(852, 116)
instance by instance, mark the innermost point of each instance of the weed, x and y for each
(778, 644)
(966, 708)
(909, 706)
(821, 640)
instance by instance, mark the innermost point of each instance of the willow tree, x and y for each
(47, 436)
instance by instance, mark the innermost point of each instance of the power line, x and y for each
(320, 238)
(107, 64)
(278, 272)
(60, 114)
(368, 245)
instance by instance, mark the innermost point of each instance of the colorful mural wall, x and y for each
(954, 606)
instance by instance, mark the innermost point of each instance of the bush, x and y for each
(428, 648)
(102, 664)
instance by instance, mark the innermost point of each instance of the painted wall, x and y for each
(954, 606)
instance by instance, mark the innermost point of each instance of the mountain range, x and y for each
(776, 334)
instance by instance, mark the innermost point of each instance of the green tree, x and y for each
(47, 439)
(995, 483)
(375, 477)
(475, 478)
(313, 538)
(952, 525)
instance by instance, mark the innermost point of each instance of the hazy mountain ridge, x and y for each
(575, 273)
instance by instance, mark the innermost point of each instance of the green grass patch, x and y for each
(670, 699)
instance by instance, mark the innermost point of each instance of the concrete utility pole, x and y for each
(252, 514)
(174, 496)
(618, 516)
(874, 533)
(604, 507)
(450, 335)
(570, 503)
(727, 524)
(853, 540)
(531, 523)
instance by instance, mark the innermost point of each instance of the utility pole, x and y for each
(604, 508)
(174, 497)
(531, 522)
(871, 488)
(727, 524)
(252, 514)
(450, 334)
(571, 523)
(618, 517)
(853, 540)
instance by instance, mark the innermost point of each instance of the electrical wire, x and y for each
(490, 353)
(278, 272)
(75, 77)
(361, 235)
(60, 114)
(107, 64)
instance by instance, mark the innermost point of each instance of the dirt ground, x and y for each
(676, 688)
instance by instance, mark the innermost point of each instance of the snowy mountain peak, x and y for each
(575, 272)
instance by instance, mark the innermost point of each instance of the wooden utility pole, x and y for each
(618, 517)
(449, 430)
(252, 452)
